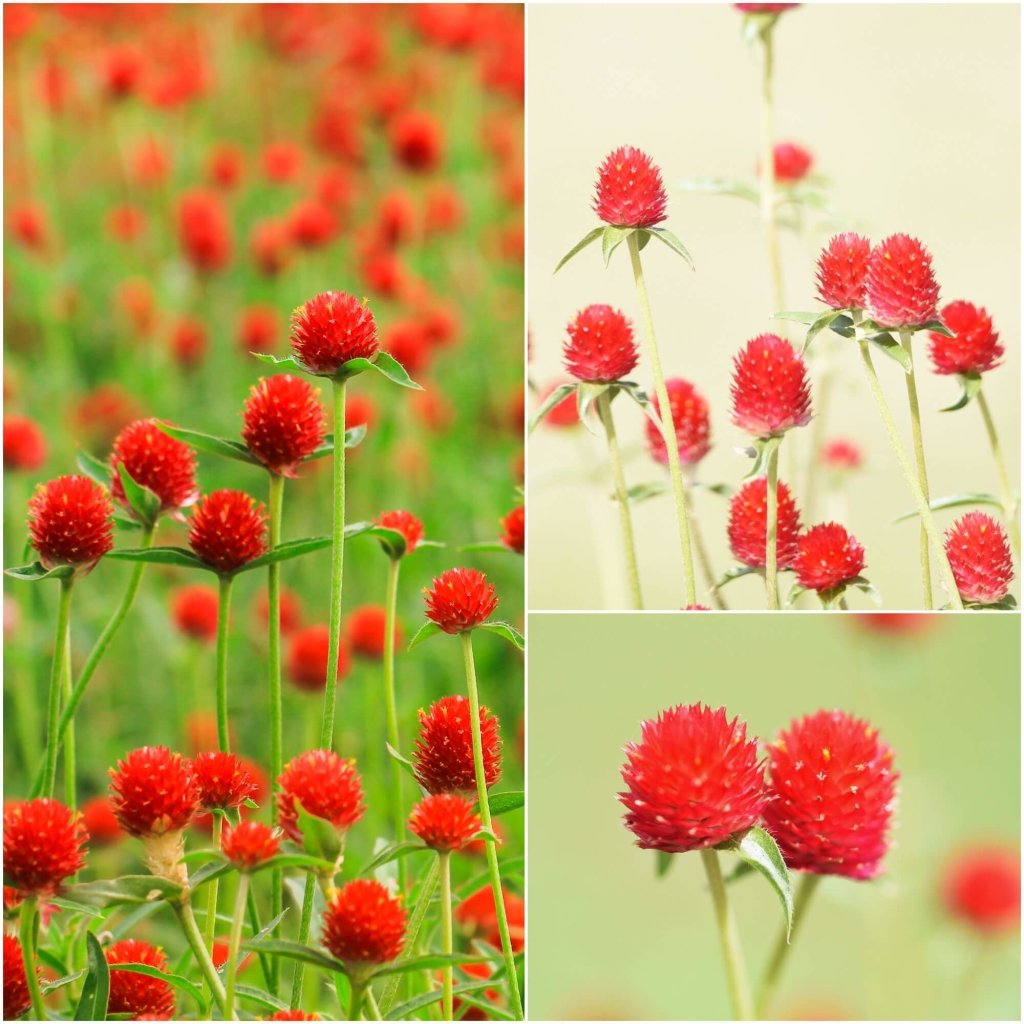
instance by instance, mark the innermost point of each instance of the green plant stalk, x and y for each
(736, 972)
(371, 1009)
(447, 1000)
(304, 924)
(355, 1004)
(485, 818)
(1005, 490)
(56, 674)
(771, 552)
(604, 411)
(27, 933)
(412, 932)
(70, 776)
(223, 624)
(187, 920)
(700, 548)
(672, 449)
(235, 945)
(783, 944)
(921, 466)
(390, 613)
(768, 166)
(212, 889)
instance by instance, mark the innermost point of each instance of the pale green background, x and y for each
(913, 111)
(608, 939)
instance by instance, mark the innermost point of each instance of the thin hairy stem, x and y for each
(397, 798)
(771, 548)
(56, 674)
(223, 624)
(1005, 490)
(783, 944)
(27, 933)
(735, 969)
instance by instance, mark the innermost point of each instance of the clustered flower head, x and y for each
(43, 845)
(228, 529)
(601, 347)
(154, 460)
(283, 422)
(324, 785)
(404, 523)
(981, 887)
(443, 759)
(901, 287)
(843, 271)
(691, 419)
(460, 599)
(16, 998)
(224, 780)
(141, 996)
(827, 557)
(630, 192)
(974, 347)
(331, 329)
(155, 792)
(748, 524)
(979, 555)
(513, 530)
(364, 924)
(444, 821)
(770, 389)
(69, 522)
(249, 843)
(203, 230)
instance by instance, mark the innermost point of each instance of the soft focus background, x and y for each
(912, 112)
(610, 941)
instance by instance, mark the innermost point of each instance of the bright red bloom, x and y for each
(258, 329)
(828, 557)
(228, 529)
(189, 342)
(282, 161)
(103, 412)
(312, 224)
(360, 411)
(630, 192)
(406, 524)
(307, 658)
(150, 162)
(101, 822)
(460, 600)
(833, 788)
(841, 454)
(902, 290)
(564, 414)
(975, 346)
(269, 244)
(692, 781)
(194, 610)
(154, 792)
(250, 843)
(224, 780)
(407, 341)
(748, 524)
(332, 328)
(140, 995)
(444, 821)
(979, 555)
(691, 419)
(121, 71)
(283, 422)
(364, 924)
(601, 347)
(366, 631)
(444, 210)
(477, 915)
(514, 530)
(203, 230)
(443, 759)
(69, 522)
(981, 886)
(292, 1015)
(792, 162)
(154, 460)
(43, 845)
(770, 390)
(24, 444)
(843, 271)
(324, 785)
(16, 998)
(396, 218)
(416, 141)
(895, 623)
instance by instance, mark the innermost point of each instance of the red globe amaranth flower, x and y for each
(791, 161)
(975, 346)
(630, 192)
(249, 843)
(154, 460)
(194, 610)
(69, 522)
(228, 529)
(513, 528)
(843, 271)
(16, 998)
(770, 390)
(406, 340)
(142, 996)
(443, 759)
(203, 230)
(444, 821)
(101, 822)
(324, 785)
(477, 915)
(189, 342)
(827, 557)
(406, 524)
(269, 243)
(895, 624)
(981, 887)
(283, 422)
(28, 223)
(154, 792)
(292, 1015)
(24, 444)
(748, 524)
(366, 631)
(43, 845)
(841, 455)
(460, 599)
(121, 69)
(364, 924)
(312, 224)
(258, 329)
(832, 788)
(979, 555)
(692, 781)
(307, 658)
(902, 290)
(416, 141)
(691, 419)
(224, 780)
(601, 347)
(331, 329)
(564, 414)
(126, 223)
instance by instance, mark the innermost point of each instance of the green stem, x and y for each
(223, 624)
(703, 558)
(372, 1010)
(390, 612)
(485, 818)
(447, 1000)
(768, 167)
(187, 920)
(304, 924)
(1005, 491)
(736, 972)
(56, 674)
(27, 934)
(212, 890)
(234, 945)
(70, 780)
(671, 447)
(771, 552)
(604, 411)
(356, 1002)
(783, 944)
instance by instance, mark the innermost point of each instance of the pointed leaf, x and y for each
(403, 1010)
(823, 321)
(289, 362)
(865, 586)
(354, 436)
(487, 545)
(58, 983)
(761, 852)
(893, 349)
(141, 500)
(638, 395)
(641, 492)
(388, 366)
(261, 998)
(127, 889)
(92, 1004)
(428, 962)
(799, 318)
(662, 863)
(295, 951)
(590, 236)
(161, 556)
(392, 852)
(612, 238)
(320, 838)
(35, 571)
(404, 762)
(738, 573)
(175, 980)
(560, 394)
(506, 632)
(794, 593)
(665, 236)
(223, 446)
(96, 469)
(937, 327)
(971, 383)
(504, 803)
(954, 501)
(587, 394)
(425, 632)
(286, 551)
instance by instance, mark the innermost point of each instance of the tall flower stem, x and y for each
(27, 933)
(736, 972)
(234, 945)
(187, 920)
(447, 1000)
(485, 818)
(212, 890)
(768, 165)
(700, 548)
(672, 449)
(390, 612)
(1005, 490)
(56, 674)
(223, 621)
(604, 411)
(355, 1004)
(304, 925)
(70, 777)
(804, 892)
(771, 548)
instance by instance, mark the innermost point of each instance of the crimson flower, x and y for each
(224, 780)
(748, 524)
(43, 845)
(416, 141)
(203, 230)
(406, 524)
(24, 444)
(974, 347)
(843, 271)
(141, 996)
(841, 454)
(227, 530)
(443, 760)
(154, 792)
(366, 631)
(691, 420)
(444, 821)
(514, 530)
(100, 821)
(249, 843)
(770, 390)
(194, 609)
(69, 522)
(308, 649)
(283, 422)
(477, 915)
(981, 887)
(460, 600)
(364, 924)
(325, 786)
(331, 329)
(791, 161)
(16, 998)
(630, 192)
(827, 557)
(156, 461)
(902, 290)
(601, 347)
(979, 555)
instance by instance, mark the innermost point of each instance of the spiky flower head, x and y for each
(323, 785)
(250, 843)
(513, 530)
(981, 887)
(770, 389)
(460, 600)
(43, 845)
(406, 524)
(331, 329)
(139, 995)
(364, 924)
(154, 460)
(16, 998)
(827, 557)
(600, 347)
(69, 522)
(691, 419)
(748, 524)
(443, 759)
(224, 780)
(630, 192)
(902, 290)
(283, 422)
(228, 529)
(974, 347)
(833, 789)
(843, 271)
(154, 791)
(979, 555)
(444, 821)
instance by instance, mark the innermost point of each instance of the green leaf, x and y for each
(223, 446)
(954, 501)
(392, 852)
(392, 541)
(761, 852)
(590, 236)
(128, 889)
(560, 394)
(742, 869)
(73, 907)
(938, 327)
(794, 594)
(843, 326)
(52, 986)
(425, 632)
(161, 556)
(738, 573)
(209, 872)
(722, 187)
(353, 438)
(261, 998)
(320, 838)
(662, 863)
(295, 951)
(507, 632)
(175, 980)
(286, 551)
(487, 545)
(865, 586)
(428, 962)
(823, 321)
(95, 469)
(641, 492)
(92, 1004)
(289, 362)
(636, 394)
(667, 238)
(505, 803)
(612, 238)
(428, 999)
(892, 348)
(35, 571)
(971, 383)
(141, 500)
(762, 449)
(403, 761)
(587, 393)
(1008, 603)
(388, 366)
(799, 318)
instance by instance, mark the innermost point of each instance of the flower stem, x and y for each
(390, 612)
(447, 1000)
(223, 620)
(356, 1001)
(736, 972)
(304, 923)
(703, 558)
(1005, 491)
(234, 945)
(671, 447)
(187, 920)
(485, 818)
(604, 411)
(372, 1010)
(768, 166)
(27, 934)
(771, 552)
(70, 779)
(212, 890)
(56, 674)
(804, 892)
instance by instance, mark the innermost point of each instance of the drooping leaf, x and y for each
(936, 327)
(403, 761)
(825, 320)
(587, 394)
(403, 1010)
(58, 983)
(635, 393)
(392, 852)
(295, 951)
(209, 872)
(222, 446)
(504, 803)
(590, 236)
(954, 501)
(96, 469)
(181, 557)
(865, 586)
(259, 997)
(75, 908)
(35, 571)
(427, 962)
(128, 889)
(174, 980)
(761, 852)
(738, 573)
(641, 492)
(971, 384)
(798, 317)
(886, 343)
(560, 394)
(388, 366)
(286, 551)
(795, 592)
(667, 238)
(288, 362)
(507, 632)
(611, 239)
(425, 632)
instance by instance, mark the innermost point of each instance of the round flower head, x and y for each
(154, 792)
(366, 631)
(332, 328)
(443, 759)
(139, 995)
(100, 821)
(692, 422)
(153, 460)
(843, 271)
(841, 455)
(832, 789)
(460, 599)
(69, 522)
(792, 162)
(16, 998)
(981, 887)
(770, 390)
(630, 193)
(692, 781)
(194, 610)
(43, 845)
(249, 843)
(444, 821)
(283, 422)
(601, 347)
(203, 230)
(513, 530)
(24, 444)
(364, 924)
(827, 557)
(324, 785)
(224, 780)
(307, 658)
(416, 141)
(406, 524)
(228, 529)
(902, 290)
(974, 348)
(979, 555)
(748, 524)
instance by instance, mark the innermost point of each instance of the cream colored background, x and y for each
(913, 112)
